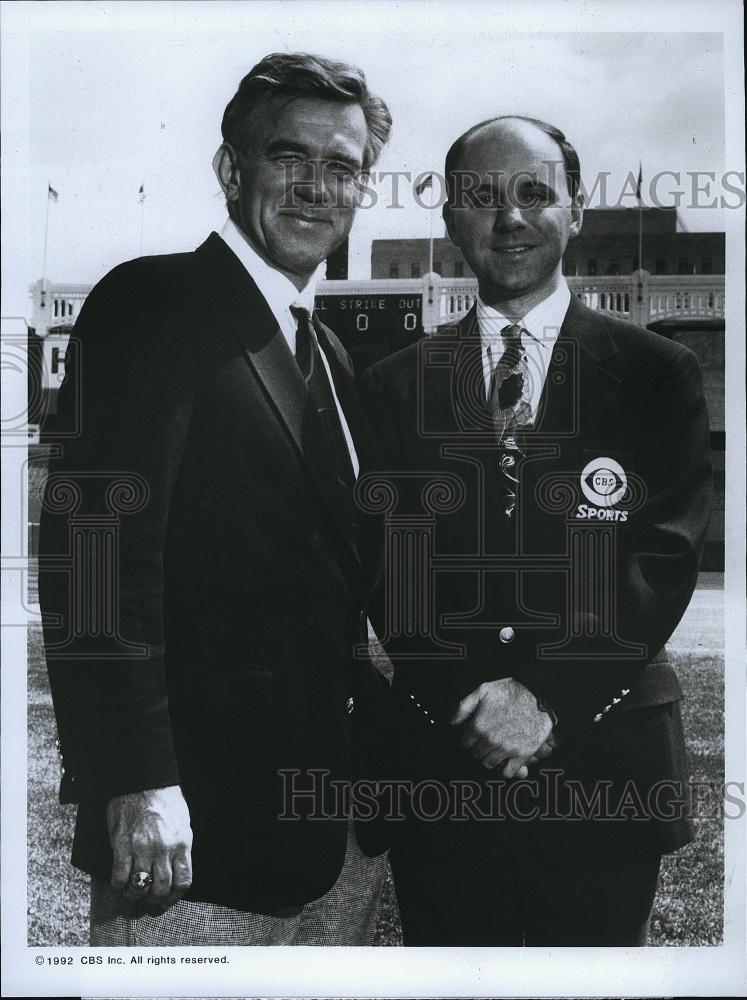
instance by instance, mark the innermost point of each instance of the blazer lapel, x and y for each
(254, 324)
(369, 539)
(347, 394)
(580, 379)
(269, 357)
(454, 409)
(451, 382)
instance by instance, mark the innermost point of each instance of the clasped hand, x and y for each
(502, 724)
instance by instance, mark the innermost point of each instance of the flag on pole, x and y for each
(51, 193)
(638, 186)
(141, 193)
(425, 183)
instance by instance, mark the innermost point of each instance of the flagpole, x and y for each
(46, 238)
(428, 182)
(142, 221)
(43, 294)
(430, 240)
(419, 188)
(639, 187)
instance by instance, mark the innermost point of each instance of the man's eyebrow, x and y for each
(525, 182)
(286, 145)
(345, 157)
(520, 178)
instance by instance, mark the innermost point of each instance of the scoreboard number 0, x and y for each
(410, 322)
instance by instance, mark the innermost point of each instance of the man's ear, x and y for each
(577, 215)
(227, 171)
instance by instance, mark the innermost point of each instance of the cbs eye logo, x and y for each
(603, 482)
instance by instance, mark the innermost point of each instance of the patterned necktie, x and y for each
(309, 360)
(508, 382)
(509, 408)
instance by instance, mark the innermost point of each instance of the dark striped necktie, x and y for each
(309, 361)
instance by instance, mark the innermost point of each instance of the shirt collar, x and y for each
(278, 290)
(543, 322)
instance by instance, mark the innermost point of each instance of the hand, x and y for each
(518, 767)
(149, 831)
(503, 721)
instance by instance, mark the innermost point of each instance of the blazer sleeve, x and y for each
(656, 559)
(103, 530)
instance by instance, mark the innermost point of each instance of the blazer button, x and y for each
(506, 634)
(350, 705)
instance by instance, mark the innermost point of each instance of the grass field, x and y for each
(689, 904)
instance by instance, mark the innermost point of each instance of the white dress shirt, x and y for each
(543, 326)
(280, 294)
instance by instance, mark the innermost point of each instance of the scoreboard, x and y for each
(373, 319)
(372, 326)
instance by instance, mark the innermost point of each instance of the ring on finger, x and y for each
(141, 881)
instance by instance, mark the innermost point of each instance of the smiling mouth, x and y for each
(307, 220)
(513, 251)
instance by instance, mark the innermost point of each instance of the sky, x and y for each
(124, 94)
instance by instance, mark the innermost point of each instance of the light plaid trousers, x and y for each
(346, 915)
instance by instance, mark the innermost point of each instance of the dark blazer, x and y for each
(201, 633)
(576, 606)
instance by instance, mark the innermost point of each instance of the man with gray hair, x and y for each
(239, 580)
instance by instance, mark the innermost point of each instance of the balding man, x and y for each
(570, 450)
